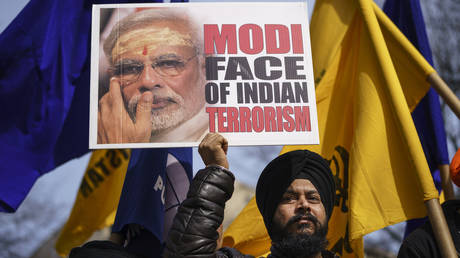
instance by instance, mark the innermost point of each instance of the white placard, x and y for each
(163, 75)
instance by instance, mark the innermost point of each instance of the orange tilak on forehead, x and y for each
(146, 40)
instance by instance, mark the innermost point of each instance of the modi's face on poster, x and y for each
(160, 57)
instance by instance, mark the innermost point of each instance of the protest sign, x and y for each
(164, 75)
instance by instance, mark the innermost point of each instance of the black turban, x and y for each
(279, 174)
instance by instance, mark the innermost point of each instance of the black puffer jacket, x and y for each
(194, 230)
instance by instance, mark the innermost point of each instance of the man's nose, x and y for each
(303, 206)
(150, 78)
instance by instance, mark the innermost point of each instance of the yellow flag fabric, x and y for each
(247, 233)
(97, 199)
(369, 77)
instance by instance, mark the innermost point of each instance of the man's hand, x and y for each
(113, 122)
(213, 150)
(132, 231)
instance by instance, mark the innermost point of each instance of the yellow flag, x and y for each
(369, 77)
(97, 198)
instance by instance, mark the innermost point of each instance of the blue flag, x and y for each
(427, 116)
(43, 65)
(156, 183)
(44, 92)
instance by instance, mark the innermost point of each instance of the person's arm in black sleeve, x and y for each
(420, 244)
(194, 229)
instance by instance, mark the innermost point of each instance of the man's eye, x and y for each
(314, 198)
(128, 69)
(170, 64)
(132, 69)
(288, 198)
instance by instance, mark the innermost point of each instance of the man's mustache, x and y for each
(159, 98)
(156, 98)
(171, 97)
(296, 218)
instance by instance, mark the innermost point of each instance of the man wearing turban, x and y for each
(295, 195)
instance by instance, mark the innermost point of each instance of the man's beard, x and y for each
(164, 118)
(289, 244)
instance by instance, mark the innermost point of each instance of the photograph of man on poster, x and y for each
(155, 91)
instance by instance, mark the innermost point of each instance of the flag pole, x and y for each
(440, 229)
(445, 92)
(446, 182)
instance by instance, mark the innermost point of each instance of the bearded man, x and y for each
(295, 195)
